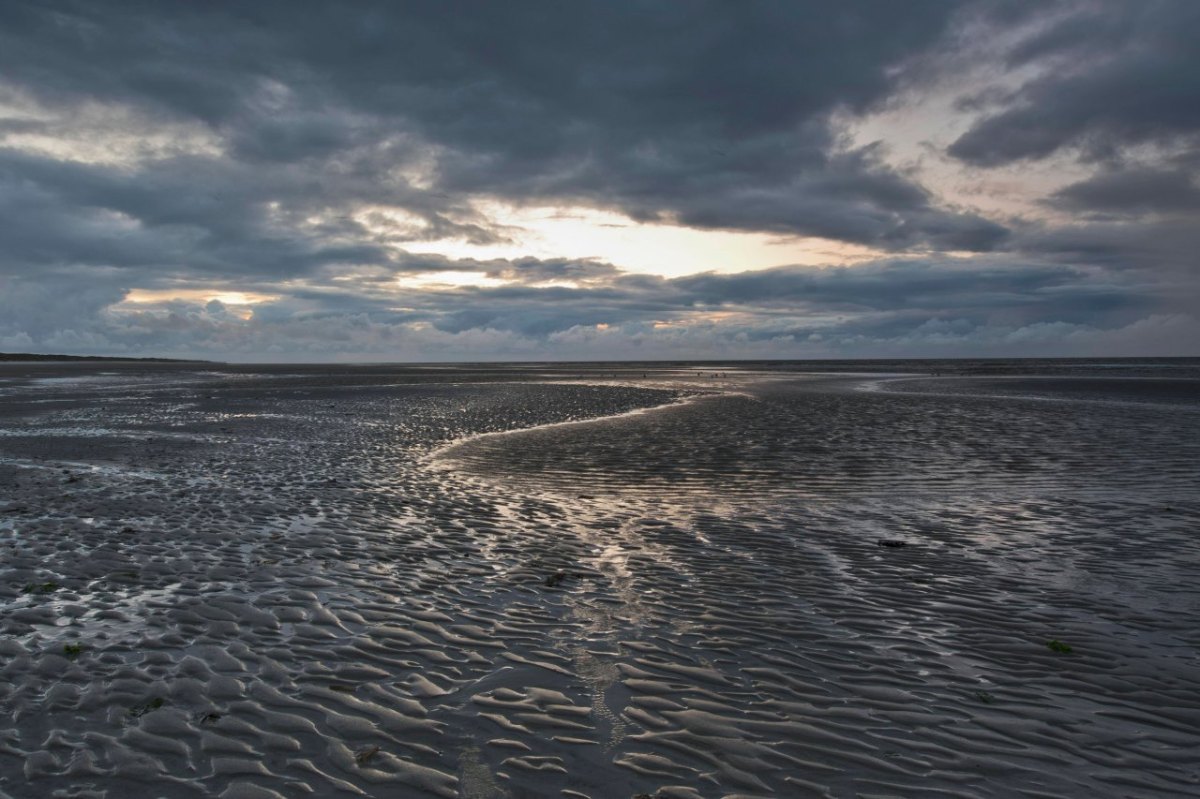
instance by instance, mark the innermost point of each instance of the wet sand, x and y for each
(598, 581)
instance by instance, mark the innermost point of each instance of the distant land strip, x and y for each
(29, 356)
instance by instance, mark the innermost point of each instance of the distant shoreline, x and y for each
(950, 365)
(29, 357)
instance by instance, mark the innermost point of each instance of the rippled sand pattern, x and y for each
(384, 583)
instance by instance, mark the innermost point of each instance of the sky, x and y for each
(430, 181)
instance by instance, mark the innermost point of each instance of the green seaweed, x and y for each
(363, 757)
(48, 587)
(1058, 646)
(140, 710)
(72, 651)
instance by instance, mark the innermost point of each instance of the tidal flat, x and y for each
(588, 581)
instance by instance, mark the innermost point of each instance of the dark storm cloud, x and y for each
(943, 305)
(886, 285)
(1116, 73)
(852, 197)
(35, 309)
(195, 215)
(308, 151)
(1164, 248)
(714, 114)
(1001, 291)
(534, 270)
(1132, 191)
(947, 305)
(921, 289)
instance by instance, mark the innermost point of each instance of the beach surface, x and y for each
(925, 579)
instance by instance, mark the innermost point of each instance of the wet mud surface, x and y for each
(596, 582)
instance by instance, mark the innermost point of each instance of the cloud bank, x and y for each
(315, 181)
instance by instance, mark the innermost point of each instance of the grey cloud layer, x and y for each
(1133, 191)
(1120, 73)
(263, 145)
(712, 114)
(927, 306)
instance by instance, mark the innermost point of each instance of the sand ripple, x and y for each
(308, 584)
